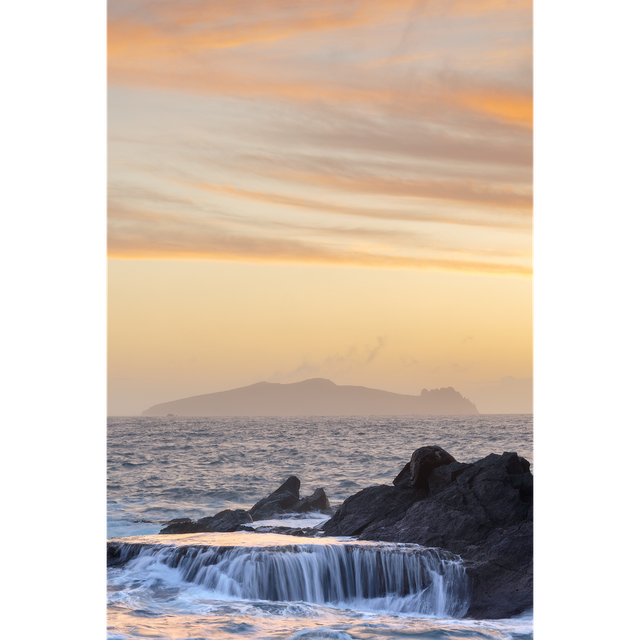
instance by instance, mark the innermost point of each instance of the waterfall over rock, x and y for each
(371, 576)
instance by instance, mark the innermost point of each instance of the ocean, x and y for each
(255, 585)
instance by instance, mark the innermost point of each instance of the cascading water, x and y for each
(378, 577)
(160, 469)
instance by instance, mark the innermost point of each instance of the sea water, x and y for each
(247, 585)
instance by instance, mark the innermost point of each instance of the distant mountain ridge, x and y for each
(315, 397)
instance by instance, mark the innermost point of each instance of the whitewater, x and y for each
(264, 585)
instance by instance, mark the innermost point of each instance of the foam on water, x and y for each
(368, 576)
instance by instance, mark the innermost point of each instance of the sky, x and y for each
(335, 189)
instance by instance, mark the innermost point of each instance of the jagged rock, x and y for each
(179, 525)
(501, 572)
(423, 462)
(481, 511)
(373, 504)
(225, 521)
(286, 499)
(446, 400)
(317, 501)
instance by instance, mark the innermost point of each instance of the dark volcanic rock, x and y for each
(481, 511)
(501, 572)
(179, 525)
(225, 521)
(423, 462)
(317, 501)
(377, 504)
(303, 532)
(465, 505)
(286, 499)
(290, 485)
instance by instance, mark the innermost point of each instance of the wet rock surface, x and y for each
(225, 521)
(286, 500)
(481, 511)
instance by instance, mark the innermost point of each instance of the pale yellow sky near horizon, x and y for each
(319, 189)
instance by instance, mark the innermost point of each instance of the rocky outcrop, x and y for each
(423, 461)
(317, 501)
(447, 400)
(286, 500)
(283, 501)
(481, 511)
(225, 521)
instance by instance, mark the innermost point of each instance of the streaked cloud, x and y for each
(236, 49)
(385, 214)
(382, 148)
(378, 134)
(143, 234)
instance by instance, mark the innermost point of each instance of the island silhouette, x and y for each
(315, 397)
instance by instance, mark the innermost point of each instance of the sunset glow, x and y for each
(334, 189)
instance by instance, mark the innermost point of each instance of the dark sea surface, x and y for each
(165, 468)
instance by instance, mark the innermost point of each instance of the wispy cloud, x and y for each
(381, 187)
(374, 352)
(344, 133)
(147, 235)
(467, 191)
(348, 360)
(189, 26)
(236, 49)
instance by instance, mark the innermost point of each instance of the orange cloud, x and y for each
(145, 235)
(460, 191)
(440, 145)
(512, 106)
(210, 48)
(255, 250)
(186, 28)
